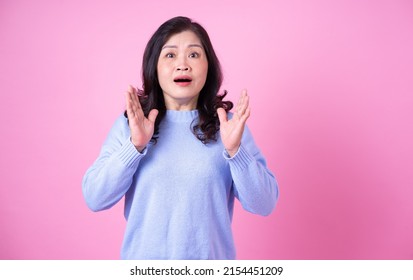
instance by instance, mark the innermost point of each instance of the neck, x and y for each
(181, 105)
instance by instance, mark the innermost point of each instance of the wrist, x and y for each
(232, 152)
(139, 148)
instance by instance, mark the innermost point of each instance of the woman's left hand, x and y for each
(231, 130)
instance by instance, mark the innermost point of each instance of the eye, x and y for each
(194, 55)
(170, 55)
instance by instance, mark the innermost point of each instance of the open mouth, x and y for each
(183, 80)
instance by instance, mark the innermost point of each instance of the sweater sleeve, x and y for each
(111, 175)
(255, 185)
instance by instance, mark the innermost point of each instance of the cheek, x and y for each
(203, 69)
(162, 72)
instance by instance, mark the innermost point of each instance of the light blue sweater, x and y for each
(179, 193)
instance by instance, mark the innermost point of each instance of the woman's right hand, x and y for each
(141, 128)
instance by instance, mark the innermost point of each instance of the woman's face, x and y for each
(182, 71)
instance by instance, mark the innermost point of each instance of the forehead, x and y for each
(183, 39)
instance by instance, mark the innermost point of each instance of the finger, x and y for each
(129, 109)
(152, 115)
(243, 103)
(134, 102)
(133, 96)
(131, 89)
(222, 115)
(246, 114)
(238, 103)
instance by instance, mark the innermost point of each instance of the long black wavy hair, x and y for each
(151, 94)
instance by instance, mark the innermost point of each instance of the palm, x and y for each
(231, 130)
(141, 128)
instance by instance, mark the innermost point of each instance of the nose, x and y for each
(182, 68)
(182, 65)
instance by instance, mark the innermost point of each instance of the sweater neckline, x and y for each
(181, 116)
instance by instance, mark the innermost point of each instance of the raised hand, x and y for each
(232, 130)
(141, 128)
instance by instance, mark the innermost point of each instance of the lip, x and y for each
(183, 80)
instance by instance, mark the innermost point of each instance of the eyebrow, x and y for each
(189, 46)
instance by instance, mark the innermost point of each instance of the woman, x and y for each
(176, 156)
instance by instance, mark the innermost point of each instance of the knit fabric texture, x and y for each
(179, 193)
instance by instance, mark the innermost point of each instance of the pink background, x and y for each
(331, 85)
